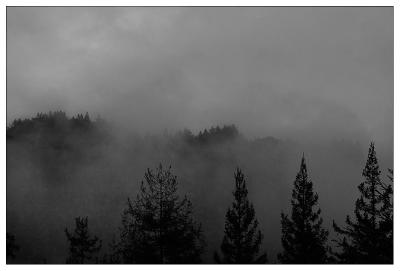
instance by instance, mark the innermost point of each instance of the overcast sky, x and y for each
(271, 71)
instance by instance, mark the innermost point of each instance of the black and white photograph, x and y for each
(199, 135)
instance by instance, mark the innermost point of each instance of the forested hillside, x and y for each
(60, 168)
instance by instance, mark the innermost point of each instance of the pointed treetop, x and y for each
(303, 237)
(303, 166)
(368, 238)
(242, 240)
(371, 166)
(239, 178)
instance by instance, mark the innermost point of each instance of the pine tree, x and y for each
(158, 227)
(81, 245)
(242, 239)
(87, 118)
(303, 238)
(386, 219)
(369, 239)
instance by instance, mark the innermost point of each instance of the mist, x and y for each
(293, 80)
(269, 70)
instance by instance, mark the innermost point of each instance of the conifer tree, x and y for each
(303, 238)
(82, 246)
(369, 239)
(242, 239)
(386, 219)
(158, 227)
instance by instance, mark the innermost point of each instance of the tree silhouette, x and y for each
(369, 239)
(12, 247)
(242, 239)
(81, 245)
(158, 226)
(303, 238)
(386, 219)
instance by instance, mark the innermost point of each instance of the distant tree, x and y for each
(217, 134)
(51, 125)
(204, 136)
(303, 238)
(12, 247)
(158, 227)
(87, 118)
(369, 239)
(242, 239)
(82, 246)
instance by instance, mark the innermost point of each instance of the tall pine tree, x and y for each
(158, 227)
(82, 246)
(369, 239)
(386, 219)
(303, 238)
(242, 239)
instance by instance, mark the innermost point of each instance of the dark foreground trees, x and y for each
(242, 239)
(158, 227)
(386, 218)
(82, 246)
(303, 238)
(12, 247)
(369, 238)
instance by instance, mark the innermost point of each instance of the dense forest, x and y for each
(81, 191)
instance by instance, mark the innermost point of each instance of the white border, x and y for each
(6, 3)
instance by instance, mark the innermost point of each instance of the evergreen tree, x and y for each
(303, 238)
(81, 245)
(386, 219)
(369, 239)
(242, 239)
(87, 118)
(158, 226)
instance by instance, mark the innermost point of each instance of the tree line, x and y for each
(158, 226)
(57, 122)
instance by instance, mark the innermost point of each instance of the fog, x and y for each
(318, 80)
(269, 70)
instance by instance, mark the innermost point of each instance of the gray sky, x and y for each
(272, 71)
